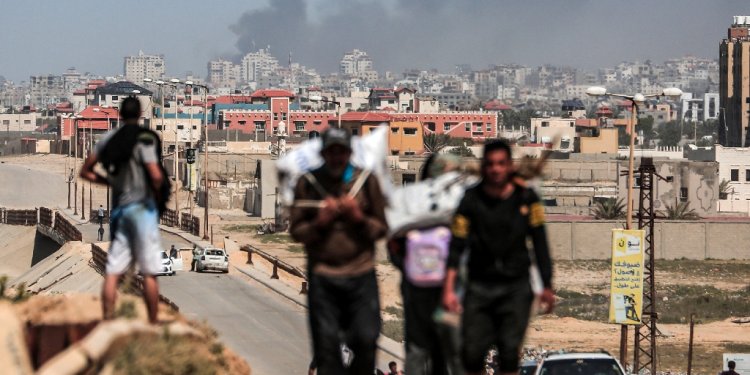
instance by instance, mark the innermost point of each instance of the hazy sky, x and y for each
(46, 36)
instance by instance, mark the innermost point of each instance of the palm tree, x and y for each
(679, 211)
(724, 189)
(434, 142)
(609, 209)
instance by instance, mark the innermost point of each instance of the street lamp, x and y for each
(75, 162)
(318, 98)
(635, 100)
(205, 158)
(109, 128)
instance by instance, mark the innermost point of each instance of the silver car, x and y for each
(211, 258)
(580, 364)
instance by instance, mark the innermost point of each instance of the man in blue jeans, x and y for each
(135, 177)
(339, 238)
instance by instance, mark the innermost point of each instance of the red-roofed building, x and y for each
(496, 105)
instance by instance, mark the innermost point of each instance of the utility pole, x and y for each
(690, 345)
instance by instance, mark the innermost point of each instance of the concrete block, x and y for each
(604, 175)
(560, 243)
(569, 174)
(728, 240)
(682, 240)
(581, 201)
(593, 239)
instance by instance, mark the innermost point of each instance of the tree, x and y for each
(463, 151)
(609, 209)
(434, 142)
(646, 126)
(515, 119)
(724, 189)
(679, 211)
(669, 134)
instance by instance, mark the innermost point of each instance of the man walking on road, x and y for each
(494, 220)
(130, 155)
(339, 239)
(731, 365)
(100, 215)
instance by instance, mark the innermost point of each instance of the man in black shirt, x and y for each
(494, 220)
(731, 365)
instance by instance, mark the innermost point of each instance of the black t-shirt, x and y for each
(495, 231)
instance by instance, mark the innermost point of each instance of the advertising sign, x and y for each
(626, 289)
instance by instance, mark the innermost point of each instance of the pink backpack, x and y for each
(426, 256)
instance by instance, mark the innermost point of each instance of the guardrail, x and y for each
(277, 264)
(45, 216)
(18, 217)
(99, 257)
(66, 229)
(169, 218)
(190, 224)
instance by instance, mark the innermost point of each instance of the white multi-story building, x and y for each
(357, 64)
(257, 65)
(223, 73)
(46, 89)
(144, 66)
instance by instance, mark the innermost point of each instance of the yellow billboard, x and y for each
(626, 289)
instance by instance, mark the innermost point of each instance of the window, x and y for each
(114, 98)
(180, 127)
(283, 116)
(545, 124)
(431, 126)
(467, 126)
(410, 131)
(26, 122)
(6, 122)
(299, 125)
(735, 175)
(683, 194)
(260, 125)
(243, 122)
(446, 127)
(317, 122)
(159, 127)
(394, 130)
(275, 116)
(489, 127)
(747, 175)
(355, 131)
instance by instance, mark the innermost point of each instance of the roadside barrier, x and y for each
(18, 217)
(277, 264)
(68, 231)
(45, 216)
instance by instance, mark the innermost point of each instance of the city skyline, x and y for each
(396, 34)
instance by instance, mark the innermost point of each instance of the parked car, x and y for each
(211, 258)
(580, 364)
(166, 265)
(528, 368)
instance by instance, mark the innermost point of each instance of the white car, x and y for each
(211, 258)
(580, 364)
(166, 265)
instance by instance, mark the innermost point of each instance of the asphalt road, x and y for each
(267, 330)
(26, 188)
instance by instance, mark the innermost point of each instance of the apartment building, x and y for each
(144, 66)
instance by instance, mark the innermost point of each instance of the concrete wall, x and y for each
(672, 239)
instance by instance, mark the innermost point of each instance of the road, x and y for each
(264, 328)
(261, 326)
(267, 330)
(26, 188)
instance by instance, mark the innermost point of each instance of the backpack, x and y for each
(426, 256)
(119, 150)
